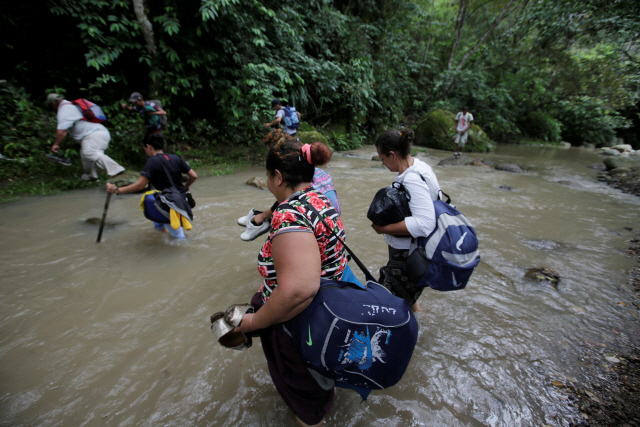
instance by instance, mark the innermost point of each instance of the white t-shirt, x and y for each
(423, 215)
(463, 120)
(70, 119)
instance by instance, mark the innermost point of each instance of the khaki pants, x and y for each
(92, 154)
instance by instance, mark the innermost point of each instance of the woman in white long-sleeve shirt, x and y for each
(394, 148)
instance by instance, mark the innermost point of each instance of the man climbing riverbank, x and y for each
(94, 138)
(151, 112)
(463, 120)
(281, 118)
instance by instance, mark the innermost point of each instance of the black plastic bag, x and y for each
(390, 205)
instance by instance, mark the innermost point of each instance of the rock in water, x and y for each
(506, 187)
(622, 148)
(508, 167)
(610, 152)
(258, 182)
(545, 245)
(456, 161)
(543, 274)
(376, 158)
(618, 162)
(478, 162)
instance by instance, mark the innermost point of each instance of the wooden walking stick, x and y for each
(104, 217)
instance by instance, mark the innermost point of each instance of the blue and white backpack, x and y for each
(291, 118)
(445, 259)
(362, 338)
(451, 251)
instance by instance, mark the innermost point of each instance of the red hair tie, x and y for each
(306, 153)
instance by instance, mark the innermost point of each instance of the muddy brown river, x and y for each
(117, 333)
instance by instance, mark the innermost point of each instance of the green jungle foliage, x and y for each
(562, 69)
(541, 126)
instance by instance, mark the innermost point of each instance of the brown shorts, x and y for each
(395, 276)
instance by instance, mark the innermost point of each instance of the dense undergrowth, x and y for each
(551, 71)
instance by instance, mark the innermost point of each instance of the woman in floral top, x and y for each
(298, 252)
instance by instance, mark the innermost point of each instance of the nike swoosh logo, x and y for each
(309, 342)
(460, 241)
(455, 284)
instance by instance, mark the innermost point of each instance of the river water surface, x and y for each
(117, 333)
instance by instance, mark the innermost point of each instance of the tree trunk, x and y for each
(152, 50)
(493, 26)
(457, 35)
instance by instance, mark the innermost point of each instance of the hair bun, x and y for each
(406, 136)
(320, 154)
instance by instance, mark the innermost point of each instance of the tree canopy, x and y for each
(540, 68)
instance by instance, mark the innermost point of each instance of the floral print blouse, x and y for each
(293, 215)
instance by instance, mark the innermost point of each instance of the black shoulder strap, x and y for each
(425, 181)
(355, 258)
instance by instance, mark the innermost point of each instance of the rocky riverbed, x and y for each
(610, 399)
(622, 172)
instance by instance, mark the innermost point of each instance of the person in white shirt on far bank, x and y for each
(463, 120)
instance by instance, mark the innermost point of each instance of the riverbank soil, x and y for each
(613, 395)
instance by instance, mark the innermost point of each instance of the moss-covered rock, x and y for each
(306, 127)
(312, 136)
(437, 130)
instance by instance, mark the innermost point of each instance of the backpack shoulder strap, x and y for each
(448, 201)
(366, 272)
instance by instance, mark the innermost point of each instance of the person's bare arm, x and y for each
(297, 262)
(469, 126)
(192, 178)
(159, 112)
(60, 135)
(273, 123)
(262, 217)
(139, 185)
(397, 229)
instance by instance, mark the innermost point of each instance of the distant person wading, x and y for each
(164, 171)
